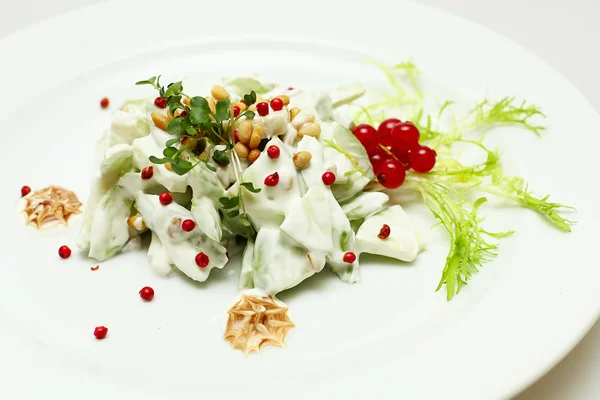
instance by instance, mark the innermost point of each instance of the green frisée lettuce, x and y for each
(449, 188)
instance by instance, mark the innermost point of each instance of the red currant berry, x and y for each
(147, 293)
(25, 190)
(391, 174)
(104, 102)
(202, 260)
(64, 252)
(367, 135)
(328, 178)
(404, 134)
(273, 151)
(262, 108)
(160, 102)
(377, 156)
(188, 225)
(100, 332)
(236, 111)
(165, 198)
(349, 257)
(183, 114)
(276, 104)
(386, 126)
(422, 159)
(272, 180)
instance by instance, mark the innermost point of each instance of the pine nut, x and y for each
(219, 92)
(284, 98)
(211, 104)
(186, 101)
(293, 112)
(257, 135)
(136, 222)
(241, 105)
(302, 119)
(254, 154)
(160, 120)
(301, 159)
(310, 129)
(245, 131)
(241, 150)
(168, 166)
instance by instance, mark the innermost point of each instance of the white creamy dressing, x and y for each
(302, 224)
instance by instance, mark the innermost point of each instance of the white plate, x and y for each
(390, 336)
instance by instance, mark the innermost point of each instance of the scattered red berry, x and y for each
(104, 102)
(160, 102)
(272, 180)
(201, 260)
(165, 198)
(367, 135)
(290, 88)
(386, 126)
(100, 332)
(262, 108)
(188, 225)
(147, 173)
(183, 114)
(276, 104)
(384, 232)
(236, 111)
(147, 293)
(25, 190)
(273, 151)
(349, 257)
(236, 136)
(422, 159)
(391, 174)
(64, 252)
(328, 178)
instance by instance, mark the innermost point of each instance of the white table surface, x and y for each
(564, 34)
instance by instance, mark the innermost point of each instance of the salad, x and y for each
(300, 180)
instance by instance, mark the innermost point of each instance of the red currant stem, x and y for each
(388, 151)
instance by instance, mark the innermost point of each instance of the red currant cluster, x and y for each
(394, 148)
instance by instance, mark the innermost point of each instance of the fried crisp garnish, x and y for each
(50, 206)
(257, 321)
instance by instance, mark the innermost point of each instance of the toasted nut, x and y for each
(252, 107)
(241, 105)
(136, 222)
(160, 120)
(302, 119)
(301, 159)
(284, 98)
(293, 112)
(169, 166)
(245, 131)
(219, 92)
(254, 154)
(310, 129)
(257, 135)
(211, 104)
(241, 150)
(186, 101)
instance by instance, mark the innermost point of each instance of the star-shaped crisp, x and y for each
(50, 206)
(255, 322)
